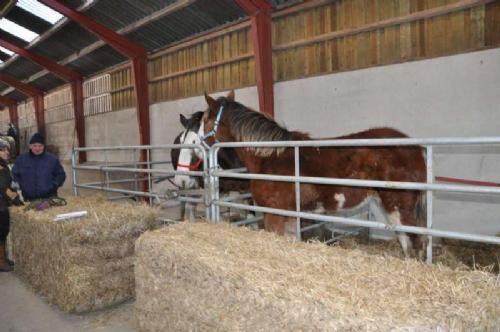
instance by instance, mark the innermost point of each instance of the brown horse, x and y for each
(229, 121)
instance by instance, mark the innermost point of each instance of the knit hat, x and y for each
(37, 138)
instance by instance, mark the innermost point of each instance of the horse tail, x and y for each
(421, 209)
(420, 241)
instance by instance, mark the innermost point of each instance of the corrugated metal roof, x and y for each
(98, 60)
(22, 68)
(66, 43)
(75, 38)
(196, 18)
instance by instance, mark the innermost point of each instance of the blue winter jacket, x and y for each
(38, 176)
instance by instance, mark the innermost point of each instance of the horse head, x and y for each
(188, 159)
(213, 127)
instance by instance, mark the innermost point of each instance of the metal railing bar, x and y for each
(364, 142)
(124, 191)
(247, 221)
(140, 170)
(237, 198)
(362, 183)
(138, 147)
(364, 223)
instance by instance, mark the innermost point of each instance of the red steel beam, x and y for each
(12, 105)
(260, 12)
(14, 119)
(7, 101)
(140, 66)
(134, 51)
(65, 74)
(118, 42)
(33, 92)
(14, 116)
(77, 92)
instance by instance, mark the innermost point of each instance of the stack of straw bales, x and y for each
(199, 277)
(80, 264)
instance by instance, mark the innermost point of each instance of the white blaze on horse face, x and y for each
(185, 160)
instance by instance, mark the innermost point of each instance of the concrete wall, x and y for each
(112, 129)
(61, 137)
(455, 96)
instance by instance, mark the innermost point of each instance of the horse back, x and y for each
(385, 163)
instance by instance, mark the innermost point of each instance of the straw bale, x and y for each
(198, 277)
(81, 264)
(456, 254)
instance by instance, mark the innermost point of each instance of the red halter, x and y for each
(193, 167)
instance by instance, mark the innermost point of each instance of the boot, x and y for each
(4, 266)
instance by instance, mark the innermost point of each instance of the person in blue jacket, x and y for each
(38, 173)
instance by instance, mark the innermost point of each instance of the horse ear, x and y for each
(212, 103)
(184, 121)
(230, 95)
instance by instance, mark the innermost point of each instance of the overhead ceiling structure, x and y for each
(48, 43)
(154, 24)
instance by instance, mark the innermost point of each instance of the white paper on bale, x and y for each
(71, 215)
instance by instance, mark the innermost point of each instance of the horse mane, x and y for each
(247, 125)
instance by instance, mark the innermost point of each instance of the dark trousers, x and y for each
(4, 224)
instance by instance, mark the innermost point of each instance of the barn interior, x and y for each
(105, 81)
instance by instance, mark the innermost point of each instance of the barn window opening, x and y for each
(17, 30)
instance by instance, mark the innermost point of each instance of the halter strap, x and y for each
(214, 129)
(192, 167)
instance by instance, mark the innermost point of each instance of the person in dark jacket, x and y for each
(7, 196)
(38, 173)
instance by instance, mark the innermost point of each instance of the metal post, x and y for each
(206, 182)
(137, 165)
(150, 181)
(298, 234)
(76, 191)
(214, 181)
(428, 195)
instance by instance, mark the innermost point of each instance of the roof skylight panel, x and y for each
(17, 30)
(6, 51)
(40, 10)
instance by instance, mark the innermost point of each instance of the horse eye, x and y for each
(194, 142)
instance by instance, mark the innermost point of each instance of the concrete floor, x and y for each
(23, 311)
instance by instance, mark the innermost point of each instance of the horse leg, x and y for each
(410, 211)
(392, 217)
(415, 244)
(183, 211)
(190, 209)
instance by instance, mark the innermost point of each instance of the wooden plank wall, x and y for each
(302, 46)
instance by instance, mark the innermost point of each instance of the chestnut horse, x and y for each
(229, 121)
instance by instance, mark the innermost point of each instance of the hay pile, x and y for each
(199, 277)
(456, 254)
(80, 264)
